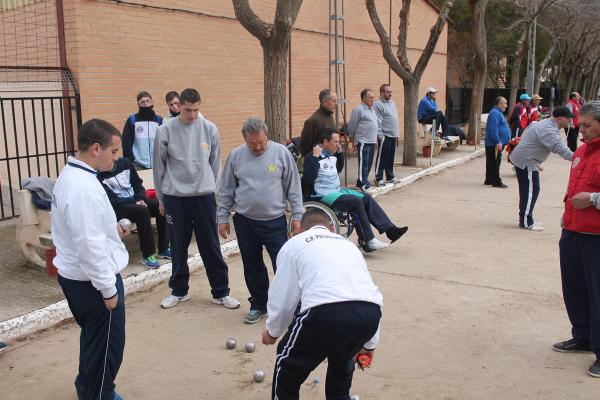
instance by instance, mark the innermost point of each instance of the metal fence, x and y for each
(38, 128)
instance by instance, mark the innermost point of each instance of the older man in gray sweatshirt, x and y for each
(387, 134)
(259, 179)
(363, 128)
(537, 142)
(186, 164)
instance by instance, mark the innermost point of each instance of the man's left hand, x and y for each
(268, 339)
(141, 203)
(122, 232)
(296, 227)
(581, 200)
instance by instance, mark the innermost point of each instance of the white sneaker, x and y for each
(376, 244)
(380, 183)
(227, 302)
(172, 301)
(536, 227)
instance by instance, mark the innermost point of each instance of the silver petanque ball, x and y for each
(258, 376)
(316, 379)
(354, 397)
(250, 347)
(230, 343)
(125, 224)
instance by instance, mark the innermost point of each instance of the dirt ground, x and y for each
(472, 307)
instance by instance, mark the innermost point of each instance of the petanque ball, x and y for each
(250, 347)
(230, 343)
(316, 379)
(354, 397)
(258, 376)
(125, 224)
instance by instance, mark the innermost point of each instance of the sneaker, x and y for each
(118, 396)
(150, 262)
(535, 227)
(396, 233)
(595, 369)
(392, 181)
(572, 346)
(2, 346)
(364, 246)
(227, 302)
(254, 316)
(172, 301)
(376, 244)
(380, 183)
(165, 254)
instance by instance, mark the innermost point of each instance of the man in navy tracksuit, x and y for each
(339, 313)
(128, 198)
(139, 132)
(187, 158)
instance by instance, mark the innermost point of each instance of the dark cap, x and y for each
(562, 112)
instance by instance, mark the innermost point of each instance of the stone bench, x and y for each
(33, 225)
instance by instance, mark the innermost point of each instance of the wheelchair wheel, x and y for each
(315, 204)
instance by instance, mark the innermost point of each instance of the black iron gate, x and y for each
(40, 113)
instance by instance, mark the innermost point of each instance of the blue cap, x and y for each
(524, 96)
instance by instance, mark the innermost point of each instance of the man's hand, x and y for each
(268, 339)
(581, 200)
(224, 230)
(141, 203)
(370, 353)
(161, 208)
(111, 303)
(317, 151)
(499, 147)
(296, 227)
(122, 232)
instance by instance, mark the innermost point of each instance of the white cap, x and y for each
(431, 89)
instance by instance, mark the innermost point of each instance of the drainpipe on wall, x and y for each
(67, 96)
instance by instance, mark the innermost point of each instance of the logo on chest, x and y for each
(271, 168)
(204, 146)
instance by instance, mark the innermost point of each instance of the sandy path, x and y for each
(472, 306)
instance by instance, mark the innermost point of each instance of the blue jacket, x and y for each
(497, 129)
(426, 106)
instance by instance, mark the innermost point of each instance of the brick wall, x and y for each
(116, 50)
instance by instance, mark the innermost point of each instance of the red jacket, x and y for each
(576, 107)
(519, 117)
(585, 177)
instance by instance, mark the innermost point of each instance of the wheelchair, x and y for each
(343, 222)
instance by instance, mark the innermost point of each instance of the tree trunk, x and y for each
(540, 71)
(275, 77)
(480, 50)
(515, 73)
(569, 84)
(411, 100)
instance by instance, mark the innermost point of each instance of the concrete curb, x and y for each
(54, 314)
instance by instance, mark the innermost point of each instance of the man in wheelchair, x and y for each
(321, 180)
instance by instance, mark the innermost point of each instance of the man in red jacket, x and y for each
(580, 242)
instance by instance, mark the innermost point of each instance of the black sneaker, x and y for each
(572, 346)
(595, 369)
(396, 233)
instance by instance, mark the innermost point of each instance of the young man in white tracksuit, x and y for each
(89, 257)
(340, 309)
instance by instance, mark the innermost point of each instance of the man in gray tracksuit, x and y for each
(537, 142)
(186, 164)
(387, 134)
(363, 128)
(259, 179)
